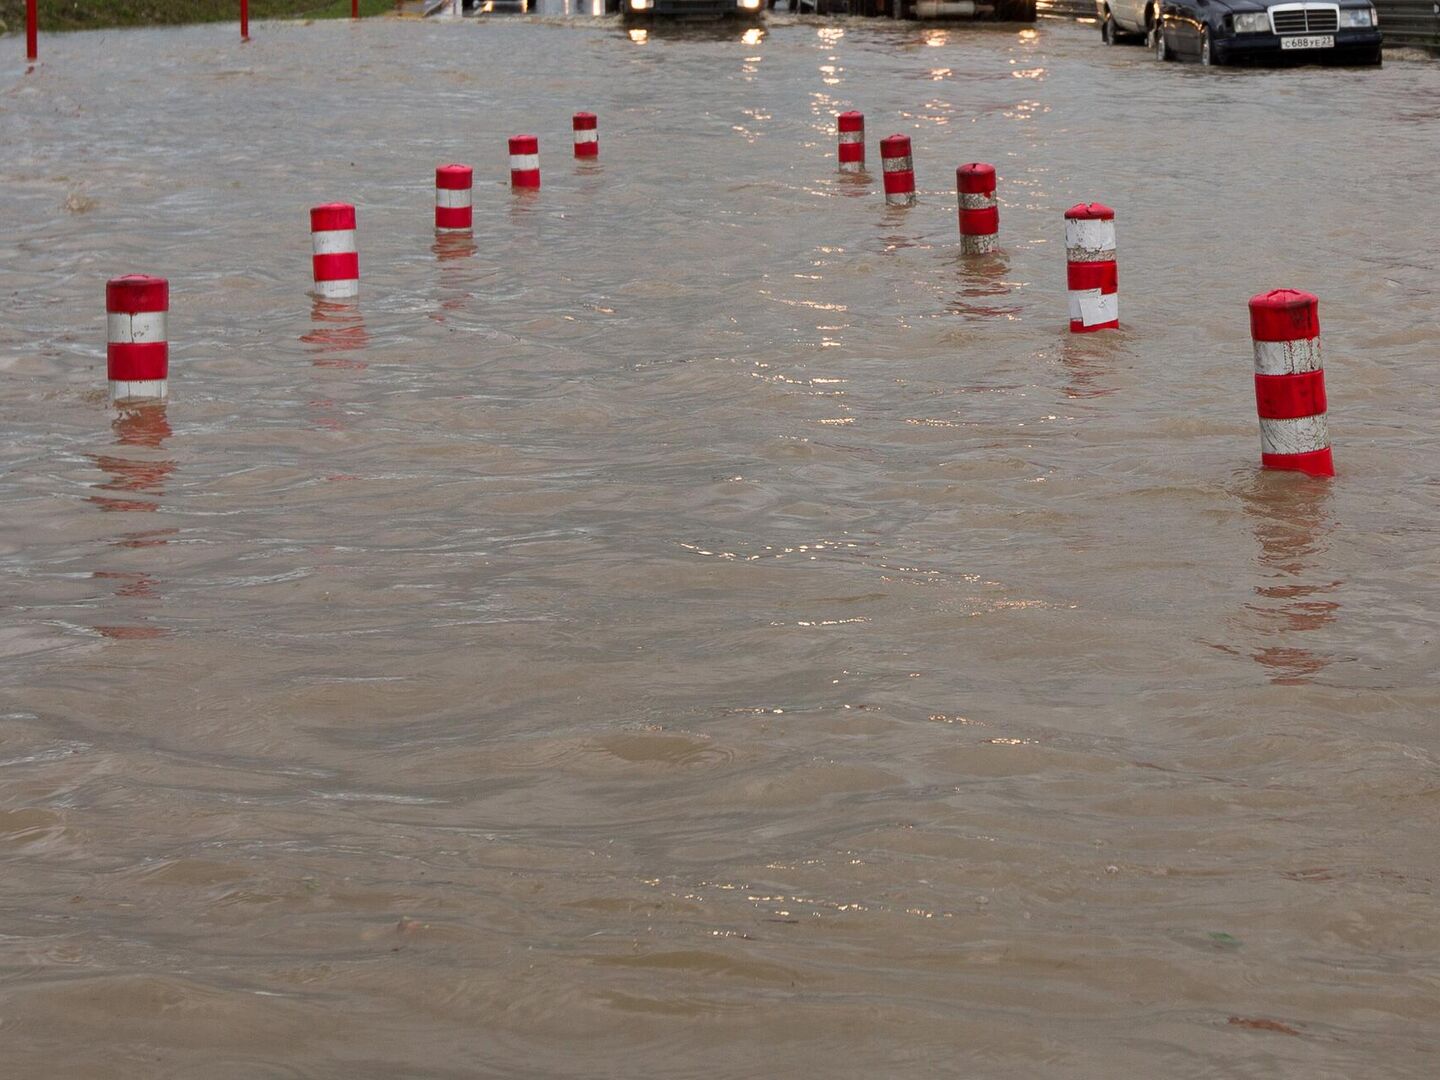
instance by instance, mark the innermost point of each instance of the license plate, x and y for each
(1322, 41)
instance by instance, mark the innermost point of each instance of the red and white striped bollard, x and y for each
(336, 261)
(899, 169)
(1290, 382)
(1091, 274)
(137, 356)
(851, 129)
(587, 134)
(524, 161)
(453, 189)
(979, 213)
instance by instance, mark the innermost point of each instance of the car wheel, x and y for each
(1107, 29)
(1157, 42)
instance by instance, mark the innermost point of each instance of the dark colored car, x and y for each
(1233, 31)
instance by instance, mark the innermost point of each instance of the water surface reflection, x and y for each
(338, 332)
(141, 477)
(1292, 524)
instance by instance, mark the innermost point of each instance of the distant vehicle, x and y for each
(488, 7)
(646, 10)
(1005, 10)
(1230, 31)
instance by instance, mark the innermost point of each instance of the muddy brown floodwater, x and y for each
(704, 627)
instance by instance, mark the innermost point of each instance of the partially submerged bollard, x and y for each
(336, 262)
(453, 203)
(899, 170)
(524, 161)
(1290, 382)
(137, 356)
(1090, 272)
(587, 134)
(851, 129)
(979, 213)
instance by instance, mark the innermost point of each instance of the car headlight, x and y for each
(1357, 17)
(641, 5)
(1252, 22)
(749, 5)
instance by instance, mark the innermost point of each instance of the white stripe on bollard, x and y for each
(1287, 357)
(141, 328)
(1298, 435)
(334, 241)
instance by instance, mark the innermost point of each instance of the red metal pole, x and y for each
(354, 9)
(244, 20)
(32, 49)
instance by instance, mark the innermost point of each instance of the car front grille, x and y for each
(1305, 21)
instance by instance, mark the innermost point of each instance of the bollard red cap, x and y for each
(335, 215)
(895, 146)
(851, 121)
(976, 178)
(1090, 212)
(585, 121)
(1284, 315)
(134, 293)
(524, 144)
(454, 177)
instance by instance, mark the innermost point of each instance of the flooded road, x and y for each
(704, 627)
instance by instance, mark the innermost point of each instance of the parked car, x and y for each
(1228, 31)
(963, 10)
(1125, 20)
(1004, 10)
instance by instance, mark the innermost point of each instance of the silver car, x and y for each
(1122, 20)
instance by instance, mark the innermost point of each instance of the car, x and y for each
(489, 7)
(1003, 10)
(1126, 20)
(950, 10)
(639, 11)
(1232, 31)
